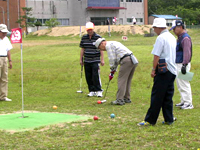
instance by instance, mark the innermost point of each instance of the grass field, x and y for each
(52, 77)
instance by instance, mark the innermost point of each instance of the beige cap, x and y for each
(159, 22)
(98, 41)
(3, 28)
(89, 25)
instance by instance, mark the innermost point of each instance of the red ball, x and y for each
(99, 102)
(96, 118)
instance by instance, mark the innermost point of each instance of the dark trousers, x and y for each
(92, 76)
(161, 97)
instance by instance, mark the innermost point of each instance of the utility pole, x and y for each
(3, 14)
(8, 21)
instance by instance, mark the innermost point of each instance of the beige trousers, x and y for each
(3, 78)
(127, 69)
(184, 86)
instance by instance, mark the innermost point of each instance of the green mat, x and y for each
(34, 120)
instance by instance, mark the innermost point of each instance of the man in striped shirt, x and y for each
(90, 57)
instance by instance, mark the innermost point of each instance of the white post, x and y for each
(22, 83)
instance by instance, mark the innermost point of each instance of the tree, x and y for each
(188, 10)
(26, 20)
(52, 23)
(38, 24)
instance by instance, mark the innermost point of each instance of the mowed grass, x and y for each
(52, 77)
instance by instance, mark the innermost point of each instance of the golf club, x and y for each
(80, 91)
(106, 91)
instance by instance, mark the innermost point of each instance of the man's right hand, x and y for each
(111, 75)
(81, 62)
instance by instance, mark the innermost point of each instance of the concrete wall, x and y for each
(77, 13)
(135, 9)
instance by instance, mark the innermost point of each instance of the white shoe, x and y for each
(91, 94)
(100, 94)
(187, 106)
(8, 99)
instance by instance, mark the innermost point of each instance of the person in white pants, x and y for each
(183, 59)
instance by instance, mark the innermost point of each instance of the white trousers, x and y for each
(184, 86)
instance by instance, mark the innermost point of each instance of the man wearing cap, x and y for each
(163, 86)
(119, 54)
(90, 57)
(5, 47)
(183, 59)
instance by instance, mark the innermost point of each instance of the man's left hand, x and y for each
(10, 65)
(183, 69)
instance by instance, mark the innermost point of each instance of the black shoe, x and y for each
(127, 100)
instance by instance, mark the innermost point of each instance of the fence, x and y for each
(193, 26)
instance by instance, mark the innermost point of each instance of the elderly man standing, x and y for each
(164, 74)
(119, 54)
(5, 47)
(92, 58)
(183, 58)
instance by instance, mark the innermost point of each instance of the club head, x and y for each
(79, 91)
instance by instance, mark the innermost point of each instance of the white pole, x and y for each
(22, 82)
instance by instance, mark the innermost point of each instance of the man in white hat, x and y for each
(5, 47)
(118, 54)
(90, 57)
(183, 62)
(163, 88)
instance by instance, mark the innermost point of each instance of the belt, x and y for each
(126, 55)
(3, 56)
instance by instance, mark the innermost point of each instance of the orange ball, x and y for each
(55, 107)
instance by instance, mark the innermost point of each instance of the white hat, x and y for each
(159, 22)
(89, 25)
(3, 28)
(98, 41)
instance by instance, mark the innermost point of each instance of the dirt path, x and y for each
(75, 30)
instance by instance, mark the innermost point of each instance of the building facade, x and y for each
(78, 12)
(10, 10)
(169, 18)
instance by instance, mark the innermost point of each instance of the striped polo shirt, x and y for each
(91, 53)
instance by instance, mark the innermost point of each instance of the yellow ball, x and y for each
(54, 107)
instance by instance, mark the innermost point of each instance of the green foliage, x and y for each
(26, 20)
(188, 10)
(52, 77)
(38, 24)
(52, 23)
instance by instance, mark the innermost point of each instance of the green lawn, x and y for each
(52, 76)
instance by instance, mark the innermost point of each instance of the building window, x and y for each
(122, 0)
(139, 19)
(130, 20)
(63, 22)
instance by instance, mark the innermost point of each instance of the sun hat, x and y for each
(159, 22)
(176, 23)
(3, 28)
(98, 41)
(89, 25)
